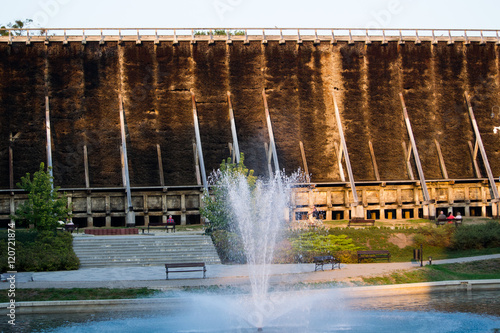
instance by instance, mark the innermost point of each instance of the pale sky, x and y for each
(436, 14)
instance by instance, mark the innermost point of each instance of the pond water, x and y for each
(310, 311)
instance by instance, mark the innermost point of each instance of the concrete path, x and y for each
(154, 276)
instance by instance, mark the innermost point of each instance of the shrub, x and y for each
(432, 236)
(478, 236)
(41, 251)
(229, 247)
(310, 244)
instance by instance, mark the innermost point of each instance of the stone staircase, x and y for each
(147, 250)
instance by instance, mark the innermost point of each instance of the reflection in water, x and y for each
(484, 302)
(317, 311)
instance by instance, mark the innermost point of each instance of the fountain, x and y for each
(260, 215)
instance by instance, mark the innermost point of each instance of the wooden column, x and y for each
(183, 209)
(441, 160)
(108, 211)
(198, 143)
(236, 147)
(339, 160)
(374, 161)
(473, 154)
(11, 163)
(86, 166)
(160, 165)
(304, 161)
(269, 158)
(272, 145)
(49, 140)
(145, 209)
(196, 165)
(407, 160)
(129, 210)
(479, 141)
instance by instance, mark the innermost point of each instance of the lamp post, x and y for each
(421, 256)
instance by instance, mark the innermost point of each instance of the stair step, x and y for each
(101, 251)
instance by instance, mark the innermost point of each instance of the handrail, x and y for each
(282, 34)
(355, 31)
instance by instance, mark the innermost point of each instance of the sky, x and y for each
(421, 14)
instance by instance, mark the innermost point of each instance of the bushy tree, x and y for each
(44, 206)
(215, 205)
(18, 25)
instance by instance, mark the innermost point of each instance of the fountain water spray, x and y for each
(259, 213)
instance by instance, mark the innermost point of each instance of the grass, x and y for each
(477, 270)
(73, 294)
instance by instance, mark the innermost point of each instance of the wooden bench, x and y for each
(445, 221)
(322, 260)
(361, 222)
(166, 225)
(377, 254)
(181, 267)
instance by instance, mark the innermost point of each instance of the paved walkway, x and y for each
(154, 276)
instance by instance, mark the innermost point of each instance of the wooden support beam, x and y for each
(86, 166)
(122, 163)
(196, 165)
(233, 129)
(269, 157)
(198, 143)
(415, 151)
(304, 161)
(11, 163)
(160, 165)
(49, 140)
(473, 154)
(346, 154)
(407, 153)
(374, 161)
(339, 160)
(129, 211)
(231, 151)
(479, 141)
(272, 145)
(441, 159)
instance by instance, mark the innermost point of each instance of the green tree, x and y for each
(19, 25)
(215, 206)
(44, 206)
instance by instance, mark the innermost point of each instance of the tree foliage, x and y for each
(44, 206)
(18, 25)
(215, 205)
